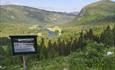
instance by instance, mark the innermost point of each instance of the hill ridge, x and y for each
(25, 14)
(97, 12)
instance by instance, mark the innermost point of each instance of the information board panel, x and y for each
(24, 44)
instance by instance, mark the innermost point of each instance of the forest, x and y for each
(87, 49)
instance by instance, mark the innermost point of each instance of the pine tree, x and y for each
(74, 44)
(64, 52)
(59, 45)
(114, 34)
(107, 37)
(56, 49)
(81, 40)
(89, 35)
(51, 50)
(43, 53)
(68, 47)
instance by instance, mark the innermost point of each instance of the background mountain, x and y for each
(29, 15)
(74, 13)
(18, 19)
(15, 19)
(95, 13)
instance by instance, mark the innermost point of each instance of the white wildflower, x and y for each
(65, 69)
(0, 67)
(109, 53)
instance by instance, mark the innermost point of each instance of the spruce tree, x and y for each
(81, 40)
(56, 49)
(59, 45)
(114, 34)
(107, 37)
(51, 50)
(43, 49)
(89, 35)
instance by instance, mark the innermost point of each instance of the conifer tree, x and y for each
(107, 37)
(56, 49)
(81, 40)
(74, 44)
(51, 51)
(89, 35)
(63, 49)
(68, 48)
(59, 45)
(114, 34)
(43, 49)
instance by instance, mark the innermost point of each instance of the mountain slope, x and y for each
(99, 12)
(29, 15)
(99, 8)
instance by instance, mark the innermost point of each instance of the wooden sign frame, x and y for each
(24, 44)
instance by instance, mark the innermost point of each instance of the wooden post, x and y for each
(24, 62)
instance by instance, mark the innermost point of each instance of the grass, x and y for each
(88, 58)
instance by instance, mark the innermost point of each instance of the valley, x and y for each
(82, 40)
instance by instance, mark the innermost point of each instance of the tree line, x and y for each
(64, 48)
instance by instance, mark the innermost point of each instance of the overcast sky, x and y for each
(52, 5)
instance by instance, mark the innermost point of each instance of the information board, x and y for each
(24, 44)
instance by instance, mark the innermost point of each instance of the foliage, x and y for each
(89, 53)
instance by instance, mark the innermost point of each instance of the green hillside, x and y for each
(95, 13)
(16, 19)
(29, 15)
(101, 14)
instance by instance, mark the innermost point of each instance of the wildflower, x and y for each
(65, 69)
(109, 53)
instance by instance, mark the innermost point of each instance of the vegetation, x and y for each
(28, 15)
(96, 13)
(90, 52)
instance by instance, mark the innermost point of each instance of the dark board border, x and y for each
(13, 37)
